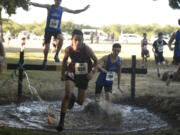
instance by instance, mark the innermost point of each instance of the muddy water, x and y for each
(91, 117)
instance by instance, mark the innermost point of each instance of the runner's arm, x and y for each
(75, 11)
(102, 63)
(94, 58)
(164, 42)
(171, 41)
(94, 66)
(153, 47)
(40, 5)
(64, 63)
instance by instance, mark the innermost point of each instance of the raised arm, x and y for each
(171, 41)
(75, 11)
(40, 5)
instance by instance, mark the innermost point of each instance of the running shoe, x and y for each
(60, 127)
(56, 58)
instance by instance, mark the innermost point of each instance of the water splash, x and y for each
(94, 117)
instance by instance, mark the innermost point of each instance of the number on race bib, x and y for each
(54, 23)
(110, 76)
(160, 49)
(81, 68)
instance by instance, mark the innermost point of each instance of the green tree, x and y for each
(69, 26)
(36, 28)
(14, 27)
(153, 29)
(10, 6)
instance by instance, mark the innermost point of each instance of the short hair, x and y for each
(144, 34)
(77, 32)
(116, 45)
(160, 34)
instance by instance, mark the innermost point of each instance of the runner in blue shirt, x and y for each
(53, 26)
(175, 36)
(108, 65)
(176, 58)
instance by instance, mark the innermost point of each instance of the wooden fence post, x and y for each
(20, 76)
(133, 77)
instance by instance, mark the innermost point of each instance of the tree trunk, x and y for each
(1, 31)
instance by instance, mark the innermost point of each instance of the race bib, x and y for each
(110, 76)
(81, 68)
(160, 48)
(145, 47)
(54, 23)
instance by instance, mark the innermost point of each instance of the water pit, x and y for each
(91, 117)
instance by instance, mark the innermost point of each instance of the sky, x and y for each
(105, 12)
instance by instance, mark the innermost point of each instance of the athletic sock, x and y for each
(62, 117)
(44, 65)
(60, 126)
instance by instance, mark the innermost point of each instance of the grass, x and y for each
(48, 82)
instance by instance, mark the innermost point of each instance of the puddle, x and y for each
(91, 117)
